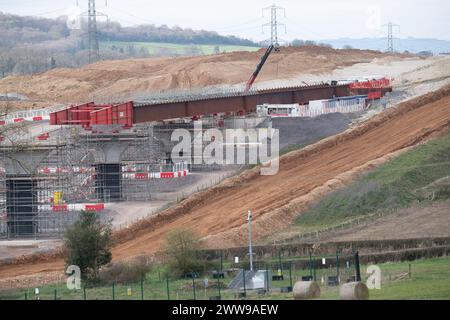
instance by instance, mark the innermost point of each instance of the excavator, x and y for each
(252, 79)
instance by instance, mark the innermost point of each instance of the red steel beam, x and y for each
(127, 114)
(247, 103)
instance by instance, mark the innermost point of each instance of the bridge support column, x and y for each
(21, 205)
(108, 181)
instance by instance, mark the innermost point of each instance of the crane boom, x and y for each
(258, 69)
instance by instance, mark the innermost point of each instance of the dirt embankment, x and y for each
(305, 175)
(219, 214)
(118, 80)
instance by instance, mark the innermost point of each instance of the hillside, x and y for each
(411, 178)
(121, 80)
(32, 44)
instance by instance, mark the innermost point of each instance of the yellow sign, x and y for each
(57, 197)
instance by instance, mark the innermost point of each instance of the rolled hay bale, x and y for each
(306, 290)
(354, 291)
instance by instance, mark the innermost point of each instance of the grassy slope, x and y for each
(393, 185)
(153, 47)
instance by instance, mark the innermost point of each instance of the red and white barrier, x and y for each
(53, 170)
(155, 175)
(30, 115)
(24, 119)
(73, 207)
(372, 84)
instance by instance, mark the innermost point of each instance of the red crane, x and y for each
(258, 68)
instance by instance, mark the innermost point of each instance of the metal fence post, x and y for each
(279, 262)
(84, 293)
(357, 267)
(245, 289)
(193, 284)
(337, 266)
(113, 291)
(314, 270)
(310, 265)
(218, 287)
(55, 295)
(290, 274)
(167, 286)
(142, 287)
(26, 295)
(267, 278)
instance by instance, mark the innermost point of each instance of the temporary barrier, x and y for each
(60, 208)
(94, 207)
(43, 136)
(371, 84)
(374, 95)
(30, 115)
(316, 107)
(53, 170)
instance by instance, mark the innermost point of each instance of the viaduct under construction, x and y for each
(69, 159)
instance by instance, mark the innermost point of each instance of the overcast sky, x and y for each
(305, 19)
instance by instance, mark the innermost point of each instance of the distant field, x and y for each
(173, 48)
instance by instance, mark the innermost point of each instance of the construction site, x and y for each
(100, 139)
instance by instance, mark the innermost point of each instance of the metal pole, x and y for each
(113, 292)
(218, 286)
(250, 249)
(193, 284)
(245, 289)
(55, 295)
(84, 293)
(267, 278)
(337, 266)
(167, 286)
(290, 274)
(142, 287)
(310, 265)
(314, 269)
(357, 268)
(221, 261)
(280, 265)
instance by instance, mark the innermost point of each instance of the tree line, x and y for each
(31, 44)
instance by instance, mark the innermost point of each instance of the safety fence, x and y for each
(269, 280)
(30, 115)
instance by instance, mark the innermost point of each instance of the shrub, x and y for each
(122, 272)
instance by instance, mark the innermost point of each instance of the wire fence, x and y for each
(279, 279)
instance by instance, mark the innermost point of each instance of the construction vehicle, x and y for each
(258, 68)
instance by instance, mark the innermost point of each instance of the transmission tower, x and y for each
(390, 36)
(274, 24)
(92, 14)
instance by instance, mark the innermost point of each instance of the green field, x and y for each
(155, 48)
(429, 279)
(397, 184)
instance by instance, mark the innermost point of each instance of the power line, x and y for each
(274, 23)
(92, 14)
(390, 36)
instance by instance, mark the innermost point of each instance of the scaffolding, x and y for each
(45, 183)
